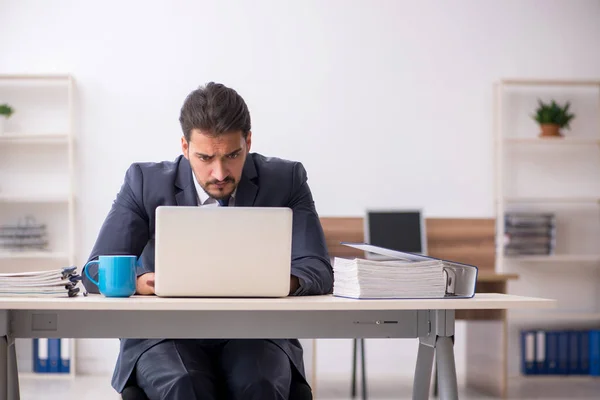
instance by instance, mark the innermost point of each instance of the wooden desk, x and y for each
(430, 320)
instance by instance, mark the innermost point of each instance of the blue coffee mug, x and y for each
(116, 275)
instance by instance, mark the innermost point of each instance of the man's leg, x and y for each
(256, 370)
(177, 369)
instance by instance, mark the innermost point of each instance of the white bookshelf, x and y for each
(556, 175)
(37, 177)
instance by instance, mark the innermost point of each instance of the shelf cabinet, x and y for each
(37, 175)
(560, 176)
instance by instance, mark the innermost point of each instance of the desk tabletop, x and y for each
(304, 303)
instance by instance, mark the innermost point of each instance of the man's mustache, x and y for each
(228, 179)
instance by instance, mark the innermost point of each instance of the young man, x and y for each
(216, 169)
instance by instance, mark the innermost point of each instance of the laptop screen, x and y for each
(396, 230)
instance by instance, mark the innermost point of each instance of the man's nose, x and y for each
(219, 171)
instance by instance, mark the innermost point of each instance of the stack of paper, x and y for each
(55, 283)
(361, 279)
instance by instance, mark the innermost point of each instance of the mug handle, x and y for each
(88, 274)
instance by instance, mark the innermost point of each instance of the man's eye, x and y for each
(232, 156)
(203, 158)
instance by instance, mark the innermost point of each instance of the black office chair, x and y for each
(298, 391)
(359, 342)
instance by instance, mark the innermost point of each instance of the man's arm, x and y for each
(125, 230)
(310, 259)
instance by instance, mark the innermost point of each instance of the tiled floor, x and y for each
(98, 388)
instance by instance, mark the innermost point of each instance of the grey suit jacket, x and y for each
(265, 182)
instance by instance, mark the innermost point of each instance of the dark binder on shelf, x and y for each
(40, 355)
(460, 278)
(551, 352)
(594, 344)
(584, 352)
(53, 355)
(574, 353)
(563, 353)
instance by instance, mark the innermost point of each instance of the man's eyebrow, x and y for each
(233, 152)
(204, 155)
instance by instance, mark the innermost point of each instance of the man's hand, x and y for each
(145, 284)
(294, 284)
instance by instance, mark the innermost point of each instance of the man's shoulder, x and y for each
(274, 165)
(155, 169)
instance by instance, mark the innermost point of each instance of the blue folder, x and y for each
(594, 352)
(40, 355)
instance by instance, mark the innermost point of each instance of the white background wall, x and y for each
(387, 103)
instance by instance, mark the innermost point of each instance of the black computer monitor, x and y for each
(401, 230)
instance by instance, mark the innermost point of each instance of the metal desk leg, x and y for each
(3, 355)
(446, 368)
(435, 331)
(354, 353)
(423, 371)
(9, 378)
(3, 368)
(12, 371)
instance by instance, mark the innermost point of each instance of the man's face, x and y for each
(217, 161)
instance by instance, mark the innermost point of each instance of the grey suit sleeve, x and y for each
(125, 230)
(310, 259)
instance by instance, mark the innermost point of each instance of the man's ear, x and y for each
(248, 141)
(185, 147)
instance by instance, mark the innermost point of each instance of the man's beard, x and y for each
(207, 186)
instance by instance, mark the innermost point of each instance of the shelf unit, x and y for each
(38, 148)
(536, 174)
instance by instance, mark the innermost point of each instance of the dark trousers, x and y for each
(214, 369)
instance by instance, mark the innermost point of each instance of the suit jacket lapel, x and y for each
(185, 194)
(247, 188)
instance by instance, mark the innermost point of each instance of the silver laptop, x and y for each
(223, 251)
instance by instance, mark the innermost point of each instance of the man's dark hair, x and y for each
(214, 109)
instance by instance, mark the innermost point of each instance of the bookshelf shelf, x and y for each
(565, 141)
(549, 82)
(33, 255)
(559, 258)
(34, 198)
(552, 200)
(36, 77)
(556, 316)
(46, 376)
(41, 138)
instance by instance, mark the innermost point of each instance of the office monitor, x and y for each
(401, 230)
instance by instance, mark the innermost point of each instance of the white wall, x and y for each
(387, 103)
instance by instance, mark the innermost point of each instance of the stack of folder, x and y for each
(403, 276)
(55, 283)
(26, 235)
(529, 233)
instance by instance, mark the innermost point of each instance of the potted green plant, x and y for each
(552, 118)
(5, 112)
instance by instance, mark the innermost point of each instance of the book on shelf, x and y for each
(401, 276)
(54, 283)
